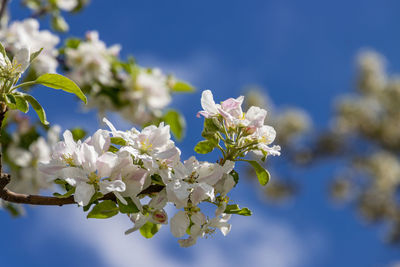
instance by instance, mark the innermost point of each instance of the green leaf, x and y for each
(149, 229)
(104, 210)
(262, 174)
(37, 107)
(212, 125)
(58, 81)
(204, 147)
(235, 176)
(11, 101)
(119, 141)
(21, 103)
(78, 134)
(72, 43)
(176, 123)
(67, 194)
(35, 55)
(182, 87)
(235, 209)
(59, 24)
(129, 208)
(93, 199)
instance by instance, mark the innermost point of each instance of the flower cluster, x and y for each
(139, 94)
(114, 170)
(26, 33)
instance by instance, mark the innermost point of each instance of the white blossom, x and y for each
(26, 33)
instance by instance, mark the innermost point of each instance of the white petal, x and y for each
(179, 223)
(105, 164)
(111, 186)
(201, 192)
(208, 103)
(83, 193)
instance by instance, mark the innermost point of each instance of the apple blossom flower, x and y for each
(91, 61)
(26, 33)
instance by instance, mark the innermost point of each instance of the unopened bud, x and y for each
(159, 216)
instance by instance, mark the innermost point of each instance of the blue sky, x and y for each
(303, 52)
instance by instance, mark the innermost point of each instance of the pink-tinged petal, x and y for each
(52, 167)
(101, 141)
(201, 192)
(69, 141)
(89, 158)
(106, 163)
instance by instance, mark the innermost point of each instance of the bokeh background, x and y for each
(303, 53)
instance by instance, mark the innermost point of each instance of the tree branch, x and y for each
(10, 196)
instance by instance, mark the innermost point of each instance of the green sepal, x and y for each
(103, 210)
(67, 194)
(149, 229)
(235, 209)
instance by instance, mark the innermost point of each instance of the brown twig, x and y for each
(10, 196)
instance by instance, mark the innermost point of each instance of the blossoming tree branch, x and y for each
(135, 172)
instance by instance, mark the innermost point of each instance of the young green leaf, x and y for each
(35, 55)
(58, 81)
(182, 87)
(235, 176)
(65, 195)
(204, 147)
(149, 229)
(262, 174)
(129, 208)
(119, 141)
(235, 209)
(176, 122)
(11, 101)
(37, 107)
(78, 133)
(21, 103)
(104, 210)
